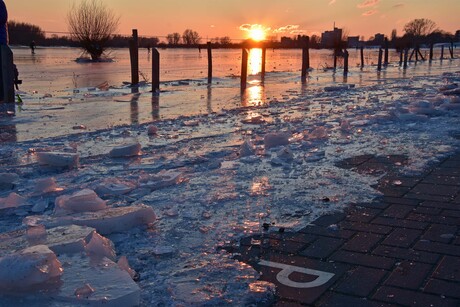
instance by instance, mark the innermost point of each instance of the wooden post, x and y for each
(345, 62)
(155, 71)
(421, 55)
(379, 65)
(362, 56)
(412, 54)
(401, 52)
(442, 52)
(7, 79)
(244, 69)
(431, 52)
(134, 56)
(385, 62)
(264, 59)
(305, 59)
(451, 49)
(209, 63)
(335, 59)
(406, 53)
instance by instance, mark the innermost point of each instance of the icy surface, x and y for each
(35, 266)
(205, 193)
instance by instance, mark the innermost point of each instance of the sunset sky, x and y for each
(212, 18)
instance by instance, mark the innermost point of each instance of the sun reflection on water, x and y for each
(255, 61)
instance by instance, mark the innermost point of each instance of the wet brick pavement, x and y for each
(403, 249)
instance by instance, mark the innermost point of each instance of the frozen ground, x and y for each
(207, 190)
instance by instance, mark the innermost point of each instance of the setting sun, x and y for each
(257, 34)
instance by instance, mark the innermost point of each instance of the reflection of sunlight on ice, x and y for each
(253, 96)
(260, 186)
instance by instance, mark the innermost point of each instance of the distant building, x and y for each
(353, 42)
(379, 39)
(329, 39)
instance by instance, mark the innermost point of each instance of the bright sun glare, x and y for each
(257, 34)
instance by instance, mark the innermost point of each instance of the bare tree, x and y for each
(173, 38)
(92, 24)
(225, 40)
(420, 27)
(191, 37)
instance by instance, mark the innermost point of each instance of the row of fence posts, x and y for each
(383, 60)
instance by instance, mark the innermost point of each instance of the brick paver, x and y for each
(403, 249)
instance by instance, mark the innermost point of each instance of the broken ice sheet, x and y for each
(81, 201)
(13, 200)
(95, 282)
(35, 266)
(45, 185)
(113, 186)
(127, 150)
(165, 178)
(58, 159)
(105, 221)
(61, 240)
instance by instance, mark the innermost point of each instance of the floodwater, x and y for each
(60, 93)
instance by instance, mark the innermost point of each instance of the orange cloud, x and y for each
(370, 13)
(287, 29)
(368, 3)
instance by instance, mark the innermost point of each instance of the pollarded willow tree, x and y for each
(92, 24)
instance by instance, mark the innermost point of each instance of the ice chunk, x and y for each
(95, 282)
(128, 150)
(276, 139)
(13, 201)
(191, 123)
(45, 185)
(285, 154)
(152, 130)
(32, 267)
(254, 119)
(165, 178)
(58, 159)
(36, 235)
(114, 187)
(124, 265)
(247, 149)
(81, 201)
(100, 246)
(318, 133)
(61, 240)
(104, 221)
